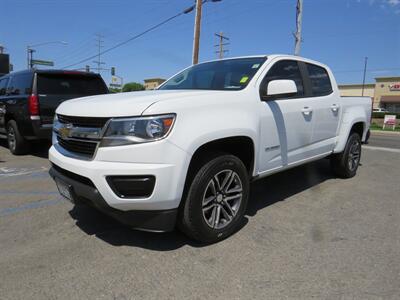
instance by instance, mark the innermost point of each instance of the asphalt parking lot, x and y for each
(307, 235)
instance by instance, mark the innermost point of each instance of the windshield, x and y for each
(231, 74)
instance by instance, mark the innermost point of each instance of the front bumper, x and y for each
(163, 160)
(84, 191)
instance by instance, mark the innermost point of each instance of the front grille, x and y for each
(83, 121)
(84, 147)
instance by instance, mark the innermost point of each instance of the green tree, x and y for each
(132, 86)
(114, 90)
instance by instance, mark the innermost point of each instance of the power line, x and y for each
(186, 11)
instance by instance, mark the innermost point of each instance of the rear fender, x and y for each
(351, 116)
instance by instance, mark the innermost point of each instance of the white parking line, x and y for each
(382, 149)
(8, 172)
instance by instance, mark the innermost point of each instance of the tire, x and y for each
(345, 164)
(16, 142)
(207, 215)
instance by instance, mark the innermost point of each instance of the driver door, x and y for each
(286, 120)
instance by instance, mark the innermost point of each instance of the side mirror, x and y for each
(281, 87)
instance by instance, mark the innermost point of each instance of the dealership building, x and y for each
(385, 92)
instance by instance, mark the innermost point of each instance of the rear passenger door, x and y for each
(326, 108)
(3, 89)
(18, 90)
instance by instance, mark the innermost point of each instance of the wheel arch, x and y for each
(241, 146)
(358, 125)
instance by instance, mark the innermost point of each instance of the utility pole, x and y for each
(100, 42)
(221, 44)
(197, 24)
(299, 21)
(365, 72)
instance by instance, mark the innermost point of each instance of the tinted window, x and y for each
(3, 86)
(286, 69)
(230, 74)
(320, 82)
(64, 84)
(21, 84)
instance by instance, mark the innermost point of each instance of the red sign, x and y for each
(394, 87)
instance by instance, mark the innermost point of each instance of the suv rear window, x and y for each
(66, 84)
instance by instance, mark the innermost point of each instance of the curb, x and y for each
(381, 132)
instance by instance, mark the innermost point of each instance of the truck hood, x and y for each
(123, 104)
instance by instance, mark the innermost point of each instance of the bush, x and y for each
(381, 115)
(132, 87)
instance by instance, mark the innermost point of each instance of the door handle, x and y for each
(306, 111)
(335, 107)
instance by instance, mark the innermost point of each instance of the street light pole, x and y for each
(365, 72)
(29, 52)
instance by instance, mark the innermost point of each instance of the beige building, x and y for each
(152, 83)
(385, 92)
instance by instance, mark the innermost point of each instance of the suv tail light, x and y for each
(33, 105)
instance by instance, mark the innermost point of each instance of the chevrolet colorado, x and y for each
(183, 155)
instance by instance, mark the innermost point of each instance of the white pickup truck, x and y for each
(183, 155)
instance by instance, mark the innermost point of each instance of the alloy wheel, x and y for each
(354, 155)
(222, 199)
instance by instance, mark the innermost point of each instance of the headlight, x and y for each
(125, 131)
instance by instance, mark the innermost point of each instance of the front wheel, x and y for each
(216, 200)
(345, 164)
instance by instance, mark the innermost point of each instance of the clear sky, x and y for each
(339, 33)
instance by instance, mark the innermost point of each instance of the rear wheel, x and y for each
(16, 142)
(216, 200)
(345, 164)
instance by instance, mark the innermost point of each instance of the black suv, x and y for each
(28, 100)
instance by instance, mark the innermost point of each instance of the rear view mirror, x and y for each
(281, 87)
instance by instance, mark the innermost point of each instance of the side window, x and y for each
(286, 69)
(3, 86)
(320, 82)
(21, 84)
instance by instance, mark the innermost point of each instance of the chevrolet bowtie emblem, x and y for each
(65, 131)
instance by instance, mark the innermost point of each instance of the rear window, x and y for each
(52, 84)
(320, 82)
